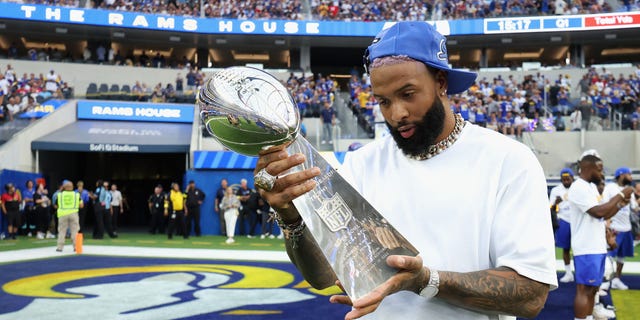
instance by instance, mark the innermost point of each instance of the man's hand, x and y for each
(558, 200)
(411, 276)
(627, 191)
(277, 161)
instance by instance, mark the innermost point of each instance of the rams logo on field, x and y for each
(157, 292)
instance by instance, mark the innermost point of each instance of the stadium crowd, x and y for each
(535, 103)
(20, 94)
(387, 10)
(349, 10)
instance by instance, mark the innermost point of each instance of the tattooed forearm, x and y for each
(310, 261)
(497, 291)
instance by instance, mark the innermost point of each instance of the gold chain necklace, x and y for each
(437, 148)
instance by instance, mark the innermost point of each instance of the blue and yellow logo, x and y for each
(156, 289)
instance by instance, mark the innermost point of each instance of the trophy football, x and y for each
(247, 110)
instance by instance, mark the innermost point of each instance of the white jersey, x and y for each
(587, 232)
(116, 198)
(564, 206)
(480, 204)
(620, 222)
(51, 83)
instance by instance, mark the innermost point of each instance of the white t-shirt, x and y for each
(587, 232)
(480, 204)
(620, 222)
(116, 198)
(563, 207)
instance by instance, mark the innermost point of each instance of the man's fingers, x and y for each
(287, 195)
(272, 149)
(341, 299)
(267, 158)
(360, 312)
(372, 298)
(404, 262)
(280, 166)
(293, 179)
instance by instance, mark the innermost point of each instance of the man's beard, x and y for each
(426, 131)
(626, 181)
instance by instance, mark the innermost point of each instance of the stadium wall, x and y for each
(16, 153)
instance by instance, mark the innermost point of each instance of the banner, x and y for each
(135, 111)
(220, 26)
(44, 109)
(123, 19)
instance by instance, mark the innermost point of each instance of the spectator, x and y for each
(86, 55)
(101, 53)
(111, 55)
(51, 81)
(179, 83)
(11, 200)
(328, 115)
(13, 51)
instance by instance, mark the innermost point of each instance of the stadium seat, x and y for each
(92, 91)
(103, 91)
(114, 92)
(125, 92)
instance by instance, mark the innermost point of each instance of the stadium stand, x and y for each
(22, 94)
(533, 103)
(349, 10)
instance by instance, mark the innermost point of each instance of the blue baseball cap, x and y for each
(622, 170)
(566, 171)
(420, 41)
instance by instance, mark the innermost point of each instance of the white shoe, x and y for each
(50, 235)
(602, 313)
(230, 240)
(262, 236)
(568, 277)
(249, 236)
(272, 236)
(40, 236)
(323, 142)
(29, 234)
(281, 236)
(616, 284)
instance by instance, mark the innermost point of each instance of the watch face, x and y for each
(429, 292)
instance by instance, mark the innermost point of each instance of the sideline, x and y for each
(213, 254)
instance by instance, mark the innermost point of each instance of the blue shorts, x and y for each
(589, 269)
(563, 235)
(625, 245)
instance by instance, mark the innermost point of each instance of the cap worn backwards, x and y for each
(622, 170)
(566, 171)
(422, 42)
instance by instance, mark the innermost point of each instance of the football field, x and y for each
(140, 276)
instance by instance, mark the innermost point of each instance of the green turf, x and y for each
(626, 302)
(139, 239)
(636, 254)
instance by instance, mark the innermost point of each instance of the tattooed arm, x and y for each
(500, 291)
(493, 291)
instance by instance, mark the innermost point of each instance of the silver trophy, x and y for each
(247, 110)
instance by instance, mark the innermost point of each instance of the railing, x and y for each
(616, 120)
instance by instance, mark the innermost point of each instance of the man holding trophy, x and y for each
(487, 254)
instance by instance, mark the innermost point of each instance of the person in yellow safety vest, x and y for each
(68, 204)
(178, 212)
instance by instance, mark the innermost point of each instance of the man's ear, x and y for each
(441, 81)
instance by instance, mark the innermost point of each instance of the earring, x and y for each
(444, 93)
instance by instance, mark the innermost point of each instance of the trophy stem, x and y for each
(354, 237)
